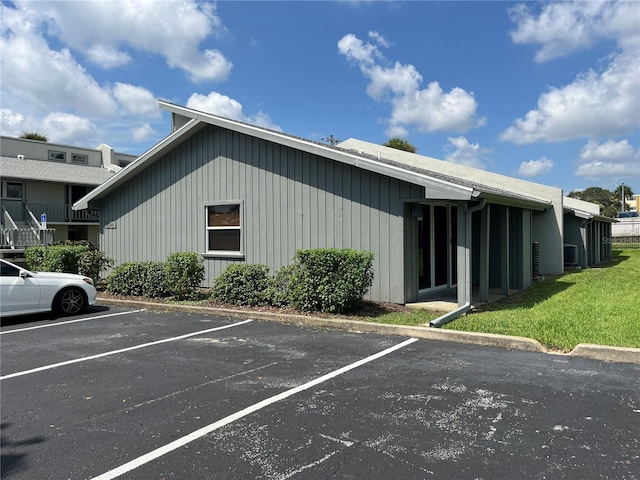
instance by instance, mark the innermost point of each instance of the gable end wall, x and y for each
(292, 200)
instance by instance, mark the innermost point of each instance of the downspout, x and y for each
(447, 317)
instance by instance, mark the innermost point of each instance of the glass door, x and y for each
(437, 246)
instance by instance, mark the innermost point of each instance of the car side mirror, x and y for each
(23, 274)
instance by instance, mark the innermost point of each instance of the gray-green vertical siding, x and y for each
(292, 200)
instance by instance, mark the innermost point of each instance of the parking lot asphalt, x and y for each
(595, 352)
(139, 394)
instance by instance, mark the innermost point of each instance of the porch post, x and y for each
(504, 263)
(485, 220)
(463, 270)
(583, 244)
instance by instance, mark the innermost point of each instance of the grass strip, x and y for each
(599, 305)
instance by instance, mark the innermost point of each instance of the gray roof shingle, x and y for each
(11, 167)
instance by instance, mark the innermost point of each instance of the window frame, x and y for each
(80, 158)
(240, 228)
(52, 154)
(5, 187)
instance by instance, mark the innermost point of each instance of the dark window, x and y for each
(57, 156)
(224, 228)
(12, 190)
(79, 158)
(7, 270)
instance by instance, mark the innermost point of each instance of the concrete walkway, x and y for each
(583, 350)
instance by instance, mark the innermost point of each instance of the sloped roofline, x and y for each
(137, 165)
(437, 188)
(589, 216)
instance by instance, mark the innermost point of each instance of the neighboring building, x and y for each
(587, 234)
(47, 178)
(240, 193)
(633, 203)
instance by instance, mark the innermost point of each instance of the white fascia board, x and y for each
(590, 216)
(435, 188)
(580, 213)
(148, 157)
(530, 204)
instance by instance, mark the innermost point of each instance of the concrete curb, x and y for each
(583, 350)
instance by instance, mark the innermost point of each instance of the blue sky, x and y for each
(548, 92)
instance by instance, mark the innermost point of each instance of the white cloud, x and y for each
(564, 27)
(459, 150)
(143, 132)
(68, 128)
(12, 123)
(108, 57)
(136, 100)
(594, 105)
(609, 160)
(224, 106)
(27, 59)
(598, 103)
(379, 39)
(427, 110)
(174, 31)
(534, 168)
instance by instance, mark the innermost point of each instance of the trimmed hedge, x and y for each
(69, 257)
(185, 272)
(179, 276)
(331, 280)
(328, 280)
(147, 279)
(279, 290)
(242, 284)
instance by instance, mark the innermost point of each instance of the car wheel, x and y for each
(70, 301)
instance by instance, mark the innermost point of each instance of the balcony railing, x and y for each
(64, 213)
(20, 238)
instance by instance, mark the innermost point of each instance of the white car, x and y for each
(22, 291)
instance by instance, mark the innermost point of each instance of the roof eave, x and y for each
(528, 203)
(435, 188)
(590, 216)
(148, 157)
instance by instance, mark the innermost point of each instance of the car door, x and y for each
(18, 293)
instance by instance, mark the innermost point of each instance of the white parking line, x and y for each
(169, 447)
(115, 352)
(71, 321)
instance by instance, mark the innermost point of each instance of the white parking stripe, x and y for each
(169, 447)
(71, 321)
(115, 352)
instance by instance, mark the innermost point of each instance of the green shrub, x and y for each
(155, 280)
(128, 279)
(242, 284)
(56, 258)
(279, 290)
(92, 262)
(34, 257)
(146, 279)
(331, 280)
(184, 273)
(69, 256)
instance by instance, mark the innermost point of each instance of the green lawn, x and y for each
(596, 305)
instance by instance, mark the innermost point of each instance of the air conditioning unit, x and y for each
(570, 254)
(535, 259)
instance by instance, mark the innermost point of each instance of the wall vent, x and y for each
(570, 254)
(535, 259)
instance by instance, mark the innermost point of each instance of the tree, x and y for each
(400, 144)
(618, 192)
(609, 207)
(34, 136)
